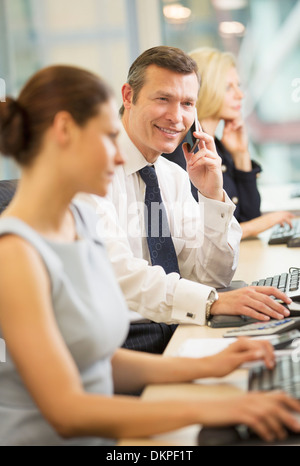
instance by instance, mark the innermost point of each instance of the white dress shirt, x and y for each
(206, 237)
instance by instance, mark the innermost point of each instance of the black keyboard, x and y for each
(285, 375)
(240, 436)
(288, 282)
(284, 234)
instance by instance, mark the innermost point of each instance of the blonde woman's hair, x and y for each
(213, 66)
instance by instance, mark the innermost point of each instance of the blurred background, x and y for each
(105, 36)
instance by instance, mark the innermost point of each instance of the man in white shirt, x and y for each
(158, 109)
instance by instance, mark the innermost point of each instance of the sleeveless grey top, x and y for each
(92, 317)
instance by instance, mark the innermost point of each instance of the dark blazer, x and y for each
(240, 186)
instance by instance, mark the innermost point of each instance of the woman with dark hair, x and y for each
(62, 315)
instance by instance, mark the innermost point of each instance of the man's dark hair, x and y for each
(170, 58)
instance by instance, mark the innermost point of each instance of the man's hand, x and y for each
(252, 301)
(204, 167)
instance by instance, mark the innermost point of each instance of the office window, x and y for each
(100, 35)
(107, 35)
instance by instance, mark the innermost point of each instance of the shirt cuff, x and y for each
(189, 302)
(217, 215)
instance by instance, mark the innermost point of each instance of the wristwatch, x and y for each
(212, 298)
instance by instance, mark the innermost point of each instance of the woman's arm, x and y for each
(235, 139)
(51, 376)
(133, 370)
(240, 178)
(264, 222)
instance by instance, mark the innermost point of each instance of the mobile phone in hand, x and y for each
(191, 140)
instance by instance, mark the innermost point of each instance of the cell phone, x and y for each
(190, 138)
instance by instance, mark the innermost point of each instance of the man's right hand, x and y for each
(252, 301)
(204, 167)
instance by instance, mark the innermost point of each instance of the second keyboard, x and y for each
(282, 234)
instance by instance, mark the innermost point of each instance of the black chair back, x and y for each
(7, 191)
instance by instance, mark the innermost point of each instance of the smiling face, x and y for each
(231, 106)
(163, 112)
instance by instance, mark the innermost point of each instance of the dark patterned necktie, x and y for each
(160, 243)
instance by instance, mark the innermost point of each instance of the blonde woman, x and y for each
(220, 98)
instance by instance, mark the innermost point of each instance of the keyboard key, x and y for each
(284, 376)
(281, 234)
(288, 283)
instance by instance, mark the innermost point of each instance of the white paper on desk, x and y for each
(201, 347)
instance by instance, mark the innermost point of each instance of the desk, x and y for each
(257, 260)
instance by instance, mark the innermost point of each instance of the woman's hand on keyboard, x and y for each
(242, 350)
(265, 221)
(254, 301)
(270, 414)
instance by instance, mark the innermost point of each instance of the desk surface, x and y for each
(257, 260)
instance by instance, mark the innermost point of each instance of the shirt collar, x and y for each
(135, 160)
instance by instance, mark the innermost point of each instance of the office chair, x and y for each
(7, 191)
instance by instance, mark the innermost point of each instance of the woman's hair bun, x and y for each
(12, 128)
